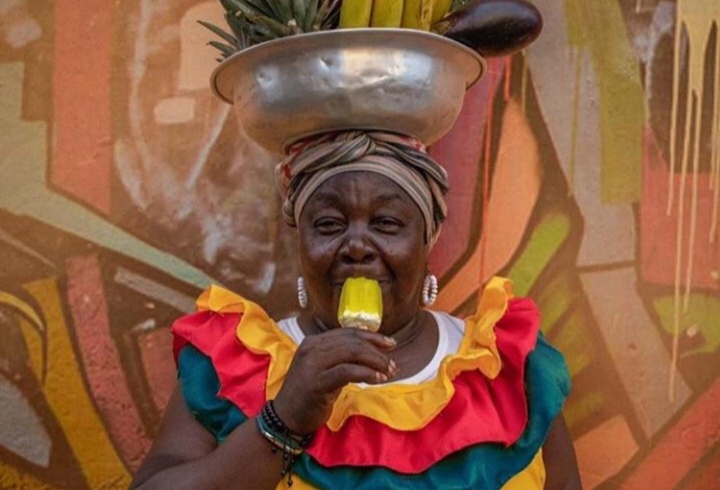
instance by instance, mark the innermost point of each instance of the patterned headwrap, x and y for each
(402, 159)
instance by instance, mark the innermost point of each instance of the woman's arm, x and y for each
(559, 457)
(185, 455)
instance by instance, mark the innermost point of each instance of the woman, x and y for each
(429, 401)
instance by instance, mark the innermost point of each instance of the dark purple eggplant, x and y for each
(493, 27)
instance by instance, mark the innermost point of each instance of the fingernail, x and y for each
(390, 340)
(381, 377)
(392, 367)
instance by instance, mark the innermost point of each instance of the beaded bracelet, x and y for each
(274, 430)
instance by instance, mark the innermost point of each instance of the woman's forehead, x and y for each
(359, 187)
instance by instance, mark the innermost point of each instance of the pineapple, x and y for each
(256, 21)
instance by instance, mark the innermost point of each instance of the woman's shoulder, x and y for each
(220, 314)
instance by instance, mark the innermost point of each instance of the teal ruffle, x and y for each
(484, 466)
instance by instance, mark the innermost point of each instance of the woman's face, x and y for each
(360, 224)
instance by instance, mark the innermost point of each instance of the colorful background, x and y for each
(586, 168)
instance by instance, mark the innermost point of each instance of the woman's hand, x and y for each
(322, 366)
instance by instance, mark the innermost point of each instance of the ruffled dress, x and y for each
(480, 422)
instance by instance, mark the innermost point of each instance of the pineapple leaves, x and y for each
(232, 40)
(256, 21)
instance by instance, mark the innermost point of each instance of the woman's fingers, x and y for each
(380, 341)
(337, 377)
(326, 351)
(355, 334)
(322, 366)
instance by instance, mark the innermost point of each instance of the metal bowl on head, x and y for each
(399, 80)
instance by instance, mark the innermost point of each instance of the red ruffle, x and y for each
(481, 410)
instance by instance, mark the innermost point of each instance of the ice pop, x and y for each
(360, 304)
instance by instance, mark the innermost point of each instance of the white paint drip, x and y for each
(204, 153)
(693, 207)
(696, 18)
(715, 152)
(679, 253)
(575, 122)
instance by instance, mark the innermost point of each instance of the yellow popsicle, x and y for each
(360, 304)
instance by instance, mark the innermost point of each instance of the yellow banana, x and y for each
(417, 14)
(387, 13)
(355, 13)
(440, 10)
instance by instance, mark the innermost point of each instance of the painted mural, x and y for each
(586, 168)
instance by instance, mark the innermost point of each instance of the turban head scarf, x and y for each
(399, 158)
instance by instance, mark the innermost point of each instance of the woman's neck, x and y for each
(410, 331)
(416, 344)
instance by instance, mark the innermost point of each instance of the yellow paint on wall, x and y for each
(19, 304)
(67, 397)
(34, 342)
(31, 332)
(11, 477)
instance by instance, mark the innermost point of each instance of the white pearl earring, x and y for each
(429, 290)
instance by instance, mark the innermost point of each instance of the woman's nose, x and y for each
(357, 248)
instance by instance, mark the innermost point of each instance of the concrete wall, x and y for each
(586, 168)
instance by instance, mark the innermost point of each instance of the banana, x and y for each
(355, 13)
(387, 13)
(417, 14)
(440, 10)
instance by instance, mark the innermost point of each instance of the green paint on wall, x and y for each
(556, 299)
(701, 318)
(579, 410)
(572, 340)
(598, 27)
(544, 242)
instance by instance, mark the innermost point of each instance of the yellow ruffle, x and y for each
(402, 407)
(530, 478)
(220, 300)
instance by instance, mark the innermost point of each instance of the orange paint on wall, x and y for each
(516, 186)
(682, 447)
(82, 134)
(604, 451)
(159, 367)
(707, 474)
(100, 358)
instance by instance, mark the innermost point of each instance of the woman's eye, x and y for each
(328, 225)
(388, 225)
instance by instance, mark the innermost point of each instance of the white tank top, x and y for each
(450, 334)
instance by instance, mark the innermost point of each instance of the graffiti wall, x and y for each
(586, 168)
